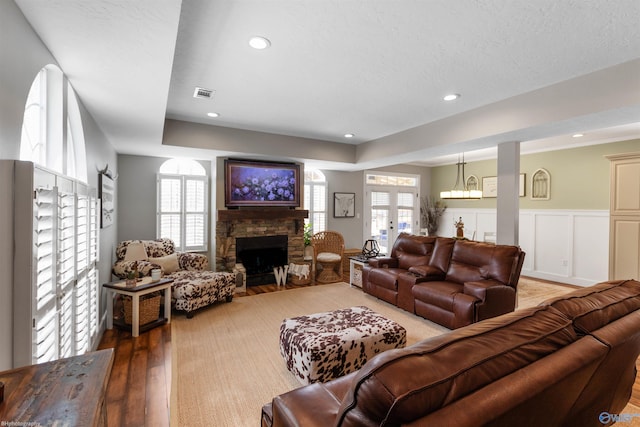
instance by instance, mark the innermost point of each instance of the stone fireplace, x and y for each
(234, 224)
(259, 255)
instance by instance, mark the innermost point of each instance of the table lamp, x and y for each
(370, 248)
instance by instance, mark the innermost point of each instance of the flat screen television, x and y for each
(254, 183)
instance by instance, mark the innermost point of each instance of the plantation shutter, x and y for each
(45, 324)
(170, 208)
(66, 305)
(315, 201)
(66, 271)
(195, 213)
(182, 211)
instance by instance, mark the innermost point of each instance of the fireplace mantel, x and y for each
(240, 214)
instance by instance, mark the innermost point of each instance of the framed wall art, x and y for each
(490, 186)
(344, 205)
(472, 183)
(107, 202)
(541, 185)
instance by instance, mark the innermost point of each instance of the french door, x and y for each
(391, 211)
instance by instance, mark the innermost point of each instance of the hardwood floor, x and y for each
(140, 384)
(139, 389)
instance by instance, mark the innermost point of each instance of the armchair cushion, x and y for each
(192, 261)
(328, 257)
(168, 263)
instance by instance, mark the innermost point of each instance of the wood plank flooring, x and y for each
(138, 393)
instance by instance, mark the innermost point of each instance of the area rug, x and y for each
(226, 363)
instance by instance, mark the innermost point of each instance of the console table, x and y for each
(65, 392)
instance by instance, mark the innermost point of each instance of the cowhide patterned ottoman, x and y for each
(194, 289)
(323, 346)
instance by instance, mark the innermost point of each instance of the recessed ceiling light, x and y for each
(577, 135)
(349, 135)
(451, 96)
(213, 114)
(258, 42)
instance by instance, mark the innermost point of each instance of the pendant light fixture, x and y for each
(460, 190)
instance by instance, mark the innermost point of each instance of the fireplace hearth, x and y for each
(259, 255)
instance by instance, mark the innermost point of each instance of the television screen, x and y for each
(252, 183)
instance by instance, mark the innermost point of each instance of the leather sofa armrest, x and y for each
(293, 408)
(427, 271)
(481, 288)
(193, 261)
(495, 297)
(386, 262)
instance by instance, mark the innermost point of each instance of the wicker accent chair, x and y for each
(328, 249)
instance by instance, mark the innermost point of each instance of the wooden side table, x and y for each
(146, 286)
(65, 392)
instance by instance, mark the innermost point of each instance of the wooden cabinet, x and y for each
(65, 392)
(624, 237)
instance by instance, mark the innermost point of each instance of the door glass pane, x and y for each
(380, 219)
(405, 220)
(405, 212)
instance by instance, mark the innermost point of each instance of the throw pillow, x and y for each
(169, 263)
(135, 252)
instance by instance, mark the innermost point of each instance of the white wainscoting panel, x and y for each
(568, 246)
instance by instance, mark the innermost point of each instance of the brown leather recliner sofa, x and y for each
(567, 362)
(451, 282)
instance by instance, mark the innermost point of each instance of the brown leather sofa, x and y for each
(449, 281)
(567, 362)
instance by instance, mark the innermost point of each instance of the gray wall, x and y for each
(137, 196)
(22, 55)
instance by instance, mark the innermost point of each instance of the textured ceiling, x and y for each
(374, 68)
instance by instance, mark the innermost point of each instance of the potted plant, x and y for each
(307, 233)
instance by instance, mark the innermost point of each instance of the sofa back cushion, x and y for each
(154, 248)
(159, 247)
(473, 261)
(400, 386)
(412, 250)
(442, 251)
(593, 307)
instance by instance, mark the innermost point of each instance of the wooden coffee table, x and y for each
(146, 286)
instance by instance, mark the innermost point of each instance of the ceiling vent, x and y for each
(203, 93)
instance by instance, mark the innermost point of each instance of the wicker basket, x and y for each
(295, 280)
(300, 281)
(149, 308)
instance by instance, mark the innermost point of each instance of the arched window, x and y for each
(182, 204)
(52, 136)
(315, 199)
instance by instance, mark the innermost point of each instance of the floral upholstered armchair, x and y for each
(145, 255)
